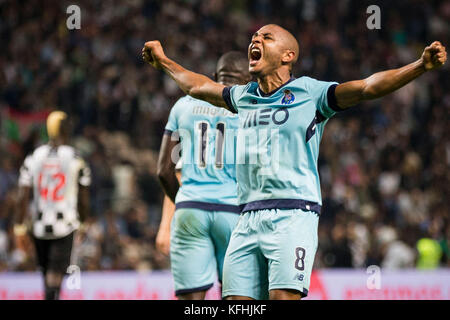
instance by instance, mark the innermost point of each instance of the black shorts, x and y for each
(54, 255)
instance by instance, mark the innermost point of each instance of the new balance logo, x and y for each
(299, 277)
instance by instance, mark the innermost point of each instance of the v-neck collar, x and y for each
(262, 94)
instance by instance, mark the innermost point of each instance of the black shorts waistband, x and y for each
(281, 204)
(207, 206)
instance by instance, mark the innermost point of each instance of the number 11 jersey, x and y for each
(208, 144)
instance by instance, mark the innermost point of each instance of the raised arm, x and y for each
(193, 84)
(385, 82)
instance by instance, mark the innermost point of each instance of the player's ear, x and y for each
(288, 57)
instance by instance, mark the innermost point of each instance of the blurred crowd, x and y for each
(383, 165)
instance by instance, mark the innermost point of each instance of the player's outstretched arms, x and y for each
(193, 84)
(383, 83)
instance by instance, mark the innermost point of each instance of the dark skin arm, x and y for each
(20, 236)
(382, 83)
(83, 202)
(194, 84)
(347, 94)
(163, 236)
(166, 167)
(23, 203)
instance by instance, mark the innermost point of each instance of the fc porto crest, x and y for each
(288, 97)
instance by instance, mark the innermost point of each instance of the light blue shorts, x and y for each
(270, 249)
(198, 243)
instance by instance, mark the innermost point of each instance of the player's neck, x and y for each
(273, 81)
(56, 142)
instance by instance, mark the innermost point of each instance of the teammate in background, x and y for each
(272, 249)
(168, 209)
(58, 180)
(206, 203)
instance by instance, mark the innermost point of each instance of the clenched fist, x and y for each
(434, 56)
(153, 53)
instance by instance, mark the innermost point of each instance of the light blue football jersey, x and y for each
(208, 144)
(278, 142)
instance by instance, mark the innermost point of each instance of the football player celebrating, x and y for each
(272, 249)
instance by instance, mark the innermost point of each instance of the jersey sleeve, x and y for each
(25, 176)
(172, 122)
(323, 93)
(231, 95)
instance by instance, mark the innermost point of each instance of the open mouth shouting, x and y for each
(255, 55)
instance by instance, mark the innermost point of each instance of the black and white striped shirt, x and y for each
(54, 173)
